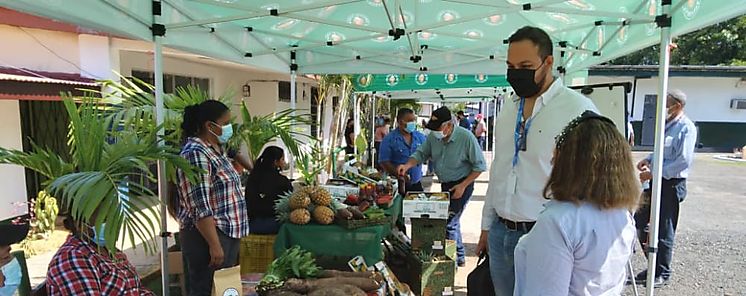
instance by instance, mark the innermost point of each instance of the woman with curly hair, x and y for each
(583, 239)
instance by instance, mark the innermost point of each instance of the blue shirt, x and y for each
(457, 158)
(678, 148)
(394, 148)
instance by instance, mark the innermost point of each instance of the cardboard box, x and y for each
(432, 205)
(434, 278)
(451, 249)
(429, 235)
(340, 192)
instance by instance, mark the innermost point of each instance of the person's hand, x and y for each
(643, 165)
(402, 170)
(457, 191)
(216, 257)
(483, 243)
(645, 176)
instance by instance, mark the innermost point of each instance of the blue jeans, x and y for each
(673, 192)
(502, 243)
(455, 209)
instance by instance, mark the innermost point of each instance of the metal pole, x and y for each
(292, 106)
(356, 119)
(657, 161)
(494, 126)
(371, 147)
(159, 118)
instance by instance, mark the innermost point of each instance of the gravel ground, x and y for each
(710, 251)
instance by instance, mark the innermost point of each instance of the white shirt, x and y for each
(575, 250)
(516, 194)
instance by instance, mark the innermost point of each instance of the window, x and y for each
(283, 91)
(172, 82)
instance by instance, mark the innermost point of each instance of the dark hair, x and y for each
(387, 120)
(196, 115)
(403, 112)
(266, 162)
(537, 36)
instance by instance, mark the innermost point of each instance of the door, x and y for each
(648, 121)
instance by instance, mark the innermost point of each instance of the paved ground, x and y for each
(710, 256)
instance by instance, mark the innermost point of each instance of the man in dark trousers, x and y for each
(678, 154)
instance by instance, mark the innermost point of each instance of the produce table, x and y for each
(337, 241)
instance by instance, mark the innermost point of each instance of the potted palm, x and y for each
(105, 172)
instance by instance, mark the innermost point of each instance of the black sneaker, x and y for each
(660, 282)
(462, 264)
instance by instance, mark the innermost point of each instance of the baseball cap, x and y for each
(438, 117)
(678, 95)
(13, 232)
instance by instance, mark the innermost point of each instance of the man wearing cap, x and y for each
(11, 232)
(463, 121)
(525, 135)
(460, 162)
(678, 154)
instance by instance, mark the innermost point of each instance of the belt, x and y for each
(512, 225)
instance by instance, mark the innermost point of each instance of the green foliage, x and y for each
(99, 183)
(311, 161)
(257, 131)
(45, 214)
(720, 44)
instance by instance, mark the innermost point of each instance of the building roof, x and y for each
(22, 84)
(681, 70)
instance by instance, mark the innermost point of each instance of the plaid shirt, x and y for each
(78, 269)
(217, 193)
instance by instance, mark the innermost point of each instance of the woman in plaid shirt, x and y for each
(211, 212)
(82, 266)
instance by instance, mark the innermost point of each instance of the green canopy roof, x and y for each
(408, 82)
(387, 36)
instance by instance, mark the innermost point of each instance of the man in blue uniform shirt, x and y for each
(399, 145)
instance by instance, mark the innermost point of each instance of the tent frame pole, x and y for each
(664, 22)
(159, 119)
(293, 99)
(356, 118)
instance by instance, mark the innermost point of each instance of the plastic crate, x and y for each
(257, 253)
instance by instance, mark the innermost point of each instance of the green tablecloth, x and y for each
(335, 240)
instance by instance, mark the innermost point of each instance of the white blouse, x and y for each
(574, 250)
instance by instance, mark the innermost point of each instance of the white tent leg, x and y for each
(371, 147)
(356, 119)
(292, 106)
(159, 118)
(657, 161)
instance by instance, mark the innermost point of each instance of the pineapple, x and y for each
(282, 207)
(321, 197)
(299, 200)
(323, 215)
(300, 216)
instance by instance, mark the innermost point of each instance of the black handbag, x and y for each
(479, 281)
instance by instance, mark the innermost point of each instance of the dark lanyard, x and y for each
(520, 140)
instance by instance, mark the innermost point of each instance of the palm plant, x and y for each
(257, 131)
(99, 180)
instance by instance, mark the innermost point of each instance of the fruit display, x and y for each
(295, 273)
(300, 216)
(306, 204)
(323, 215)
(381, 194)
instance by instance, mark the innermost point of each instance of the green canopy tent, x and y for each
(393, 36)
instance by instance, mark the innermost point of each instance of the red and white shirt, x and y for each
(79, 269)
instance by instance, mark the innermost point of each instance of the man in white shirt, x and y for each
(526, 131)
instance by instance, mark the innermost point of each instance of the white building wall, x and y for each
(12, 178)
(708, 98)
(25, 48)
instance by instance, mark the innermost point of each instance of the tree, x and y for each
(720, 44)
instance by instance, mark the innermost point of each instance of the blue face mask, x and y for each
(226, 134)
(98, 237)
(12, 273)
(411, 127)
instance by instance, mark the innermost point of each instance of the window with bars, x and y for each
(171, 82)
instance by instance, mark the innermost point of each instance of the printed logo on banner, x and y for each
(392, 79)
(451, 78)
(690, 9)
(480, 78)
(420, 79)
(231, 292)
(364, 80)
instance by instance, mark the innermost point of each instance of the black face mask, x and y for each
(522, 81)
